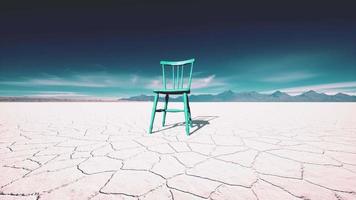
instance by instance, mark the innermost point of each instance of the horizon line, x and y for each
(73, 96)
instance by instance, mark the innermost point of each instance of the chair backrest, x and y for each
(177, 74)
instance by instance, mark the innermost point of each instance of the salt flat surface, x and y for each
(236, 151)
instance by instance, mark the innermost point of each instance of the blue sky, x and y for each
(110, 57)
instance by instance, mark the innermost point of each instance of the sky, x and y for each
(113, 48)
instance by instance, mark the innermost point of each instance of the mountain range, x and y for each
(278, 96)
(226, 96)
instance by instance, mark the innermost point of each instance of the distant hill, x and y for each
(226, 96)
(278, 96)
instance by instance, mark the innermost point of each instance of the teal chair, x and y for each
(179, 84)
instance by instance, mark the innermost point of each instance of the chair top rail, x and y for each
(177, 62)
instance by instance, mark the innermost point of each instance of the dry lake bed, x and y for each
(235, 151)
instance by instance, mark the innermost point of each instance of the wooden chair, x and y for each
(178, 84)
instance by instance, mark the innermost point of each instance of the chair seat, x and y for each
(173, 91)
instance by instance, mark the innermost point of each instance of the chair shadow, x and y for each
(197, 123)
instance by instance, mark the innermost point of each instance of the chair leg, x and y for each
(165, 108)
(186, 114)
(190, 114)
(153, 112)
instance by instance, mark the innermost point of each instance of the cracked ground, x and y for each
(236, 151)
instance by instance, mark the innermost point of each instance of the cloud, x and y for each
(197, 83)
(117, 82)
(64, 82)
(91, 80)
(330, 88)
(134, 79)
(289, 77)
(53, 82)
(155, 83)
(57, 94)
(206, 82)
